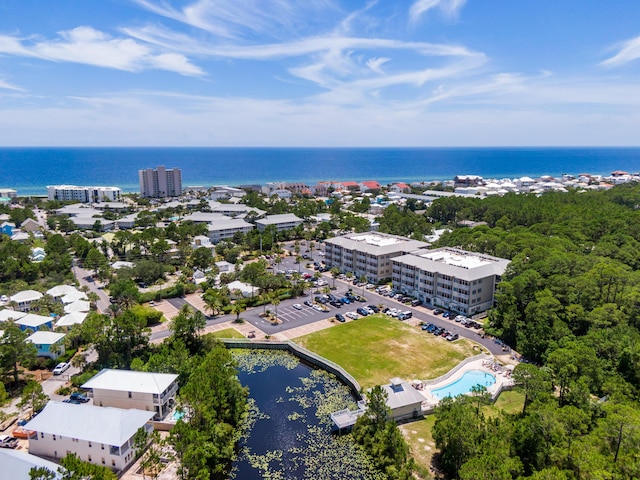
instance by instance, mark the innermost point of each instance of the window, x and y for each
(113, 463)
(88, 458)
(103, 462)
(129, 394)
(41, 434)
(54, 437)
(102, 446)
(90, 445)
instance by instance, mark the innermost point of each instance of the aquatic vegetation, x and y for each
(288, 427)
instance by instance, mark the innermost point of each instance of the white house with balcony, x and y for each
(25, 298)
(152, 392)
(102, 436)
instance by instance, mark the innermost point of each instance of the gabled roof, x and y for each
(26, 296)
(33, 320)
(8, 314)
(17, 464)
(72, 318)
(77, 306)
(106, 425)
(131, 381)
(61, 290)
(402, 394)
(372, 184)
(45, 338)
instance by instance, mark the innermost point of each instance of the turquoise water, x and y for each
(177, 415)
(464, 384)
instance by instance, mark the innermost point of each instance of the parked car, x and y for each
(362, 311)
(8, 442)
(340, 317)
(345, 300)
(352, 315)
(426, 326)
(446, 315)
(77, 397)
(308, 303)
(415, 303)
(405, 315)
(373, 308)
(61, 368)
(452, 336)
(297, 306)
(437, 311)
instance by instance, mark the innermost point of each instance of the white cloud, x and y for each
(8, 86)
(88, 46)
(375, 64)
(451, 8)
(629, 52)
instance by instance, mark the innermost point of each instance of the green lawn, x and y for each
(418, 437)
(227, 333)
(377, 348)
(511, 401)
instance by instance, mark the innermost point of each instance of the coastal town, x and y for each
(272, 266)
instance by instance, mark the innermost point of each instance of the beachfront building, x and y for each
(73, 193)
(8, 193)
(368, 254)
(285, 221)
(160, 182)
(148, 391)
(451, 278)
(102, 436)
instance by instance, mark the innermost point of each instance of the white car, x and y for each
(352, 315)
(4, 299)
(61, 368)
(297, 306)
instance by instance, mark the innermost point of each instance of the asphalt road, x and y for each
(85, 278)
(290, 317)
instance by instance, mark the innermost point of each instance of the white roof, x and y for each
(131, 381)
(26, 296)
(77, 306)
(8, 314)
(61, 290)
(281, 218)
(16, 465)
(74, 297)
(33, 320)
(107, 425)
(45, 338)
(121, 264)
(72, 318)
(401, 394)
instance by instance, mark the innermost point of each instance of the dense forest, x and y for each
(569, 304)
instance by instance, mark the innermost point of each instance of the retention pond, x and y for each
(288, 433)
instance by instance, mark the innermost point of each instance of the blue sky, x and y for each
(319, 73)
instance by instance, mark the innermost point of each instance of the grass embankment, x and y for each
(377, 348)
(227, 333)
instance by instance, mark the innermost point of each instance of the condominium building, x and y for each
(160, 182)
(368, 254)
(71, 193)
(451, 278)
(282, 222)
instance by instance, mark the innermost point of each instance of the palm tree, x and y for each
(237, 309)
(335, 271)
(275, 301)
(212, 301)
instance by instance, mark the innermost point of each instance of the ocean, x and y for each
(30, 170)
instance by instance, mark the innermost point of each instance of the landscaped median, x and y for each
(376, 348)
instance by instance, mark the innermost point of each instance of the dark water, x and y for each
(290, 434)
(30, 170)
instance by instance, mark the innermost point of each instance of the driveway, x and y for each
(85, 278)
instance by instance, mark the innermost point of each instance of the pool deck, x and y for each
(501, 373)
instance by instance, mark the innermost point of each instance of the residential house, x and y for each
(38, 254)
(18, 236)
(7, 315)
(223, 193)
(8, 193)
(102, 436)
(25, 298)
(244, 289)
(148, 391)
(34, 322)
(369, 185)
(400, 188)
(49, 344)
(6, 228)
(60, 291)
(30, 225)
(66, 322)
(17, 465)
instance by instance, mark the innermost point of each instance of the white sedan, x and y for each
(297, 306)
(61, 368)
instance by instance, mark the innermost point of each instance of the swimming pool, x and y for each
(464, 384)
(177, 415)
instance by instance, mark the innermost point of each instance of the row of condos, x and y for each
(368, 254)
(450, 278)
(460, 281)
